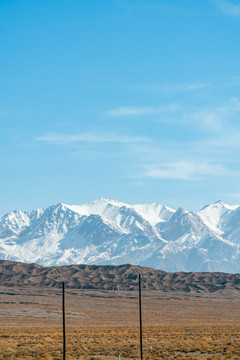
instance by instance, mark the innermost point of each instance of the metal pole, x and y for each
(63, 318)
(140, 315)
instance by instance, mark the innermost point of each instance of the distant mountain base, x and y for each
(120, 278)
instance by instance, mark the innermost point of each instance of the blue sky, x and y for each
(133, 100)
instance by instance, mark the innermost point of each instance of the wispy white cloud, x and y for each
(170, 88)
(134, 111)
(216, 153)
(228, 8)
(215, 119)
(207, 119)
(223, 141)
(188, 170)
(234, 103)
(111, 137)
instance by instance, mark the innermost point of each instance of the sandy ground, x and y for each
(103, 325)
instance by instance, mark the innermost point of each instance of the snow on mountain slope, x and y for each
(154, 213)
(231, 226)
(15, 221)
(88, 233)
(108, 210)
(215, 214)
(111, 232)
(184, 222)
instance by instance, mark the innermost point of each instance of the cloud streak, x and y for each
(188, 170)
(214, 153)
(228, 8)
(170, 88)
(134, 111)
(111, 137)
(216, 119)
(229, 140)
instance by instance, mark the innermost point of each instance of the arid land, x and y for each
(102, 324)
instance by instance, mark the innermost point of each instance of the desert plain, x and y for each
(104, 324)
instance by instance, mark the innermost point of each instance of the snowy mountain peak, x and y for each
(222, 204)
(154, 213)
(228, 206)
(109, 201)
(213, 215)
(104, 201)
(181, 211)
(107, 208)
(106, 231)
(219, 205)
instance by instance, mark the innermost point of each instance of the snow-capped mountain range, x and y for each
(111, 232)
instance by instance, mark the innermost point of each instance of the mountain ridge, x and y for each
(122, 277)
(106, 231)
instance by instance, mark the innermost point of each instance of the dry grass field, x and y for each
(103, 325)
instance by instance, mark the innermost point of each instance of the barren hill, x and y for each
(122, 277)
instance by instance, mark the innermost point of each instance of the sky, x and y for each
(134, 100)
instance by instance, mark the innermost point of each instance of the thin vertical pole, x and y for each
(140, 315)
(63, 318)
